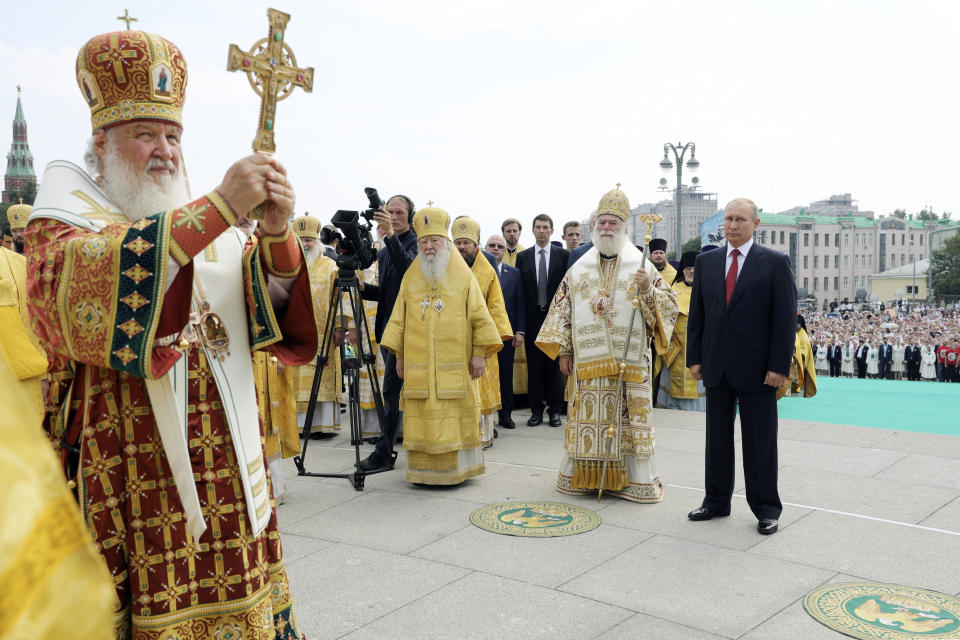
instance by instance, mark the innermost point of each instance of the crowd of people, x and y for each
(888, 344)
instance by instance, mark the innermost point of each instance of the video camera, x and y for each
(356, 246)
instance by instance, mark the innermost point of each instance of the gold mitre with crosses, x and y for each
(614, 203)
(132, 75)
(431, 221)
(465, 227)
(307, 227)
(18, 214)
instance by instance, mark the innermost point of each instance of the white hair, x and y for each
(91, 159)
(434, 268)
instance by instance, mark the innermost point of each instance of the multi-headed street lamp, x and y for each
(679, 150)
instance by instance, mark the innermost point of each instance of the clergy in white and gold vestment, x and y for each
(586, 328)
(441, 333)
(323, 272)
(466, 237)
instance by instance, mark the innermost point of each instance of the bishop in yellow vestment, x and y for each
(679, 389)
(323, 273)
(466, 237)
(441, 333)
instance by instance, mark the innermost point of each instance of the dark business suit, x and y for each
(577, 253)
(885, 360)
(398, 253)
(512, 287)
(543, 382)
(861, 359)
(835, 357)
(736, 344)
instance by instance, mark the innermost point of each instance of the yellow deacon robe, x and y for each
(679, 389)
(436, 330)
(490, 380)
(18, 344)
(802, 380)
(53, 584)
(326, 417)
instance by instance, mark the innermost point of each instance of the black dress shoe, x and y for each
(767, 526)
(703, 513)
(535, 419)
(555, 419)
(496, 434)
(373, 462)
(507, 422)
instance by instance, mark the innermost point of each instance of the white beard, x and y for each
(137, 194)
(434, 268)
(312, 254)
(611, 245)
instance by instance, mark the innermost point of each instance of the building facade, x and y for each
(833, 258)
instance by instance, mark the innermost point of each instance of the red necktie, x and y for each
(732, 274)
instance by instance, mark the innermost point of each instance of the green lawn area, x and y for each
(928, 407)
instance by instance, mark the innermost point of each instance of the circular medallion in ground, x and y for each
(877, 611)
(535, 519)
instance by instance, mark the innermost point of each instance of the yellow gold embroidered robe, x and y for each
(682, 386)
(326, 417)
(18, 344)
(436, 331)
(520, 354)
(490, 380)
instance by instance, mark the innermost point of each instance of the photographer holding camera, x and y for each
(400, 250)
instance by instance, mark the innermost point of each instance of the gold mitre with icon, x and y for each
(465, 227)
(614, 203)
(431, 221)
(132, 75)
(307, 227)
(17, 215)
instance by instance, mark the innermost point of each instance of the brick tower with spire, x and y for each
(20, 171)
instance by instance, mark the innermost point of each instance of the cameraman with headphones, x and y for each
(330, 239)
(398, 253)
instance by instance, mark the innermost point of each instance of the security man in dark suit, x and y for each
(512, 287)
(398, 253)
(740, 338)
(541, 267)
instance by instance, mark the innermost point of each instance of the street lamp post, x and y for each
(913, 259)
(679, 150)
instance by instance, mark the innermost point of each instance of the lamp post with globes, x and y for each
(679, 150)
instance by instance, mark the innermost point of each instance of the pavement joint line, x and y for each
(791, 504)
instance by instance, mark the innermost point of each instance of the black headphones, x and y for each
(410, 207)
(328, 235)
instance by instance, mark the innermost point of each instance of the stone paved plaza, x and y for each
(401, 561)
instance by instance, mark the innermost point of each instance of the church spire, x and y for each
(20, 172)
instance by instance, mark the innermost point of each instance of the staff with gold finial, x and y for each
(273, 74)
(610, 433)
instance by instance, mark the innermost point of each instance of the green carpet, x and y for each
(927, 407)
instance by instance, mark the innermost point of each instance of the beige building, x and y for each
(907, 282)
(834, 257)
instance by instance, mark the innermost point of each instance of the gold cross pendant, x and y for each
(424, 305)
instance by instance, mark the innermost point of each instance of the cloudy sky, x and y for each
(509, 108)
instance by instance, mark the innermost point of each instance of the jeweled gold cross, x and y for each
(272, 71)
(126, 17)
(424, 305)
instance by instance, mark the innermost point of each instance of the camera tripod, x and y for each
(346, 285)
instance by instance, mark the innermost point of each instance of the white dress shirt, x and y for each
(536, 259)
(744, 249)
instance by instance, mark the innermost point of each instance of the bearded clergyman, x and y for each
(466, 238)
(323, 274)
(441, 333)
(587, 329)
(156, 302)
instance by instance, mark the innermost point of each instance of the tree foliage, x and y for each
(945, 268)
(899, 213)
